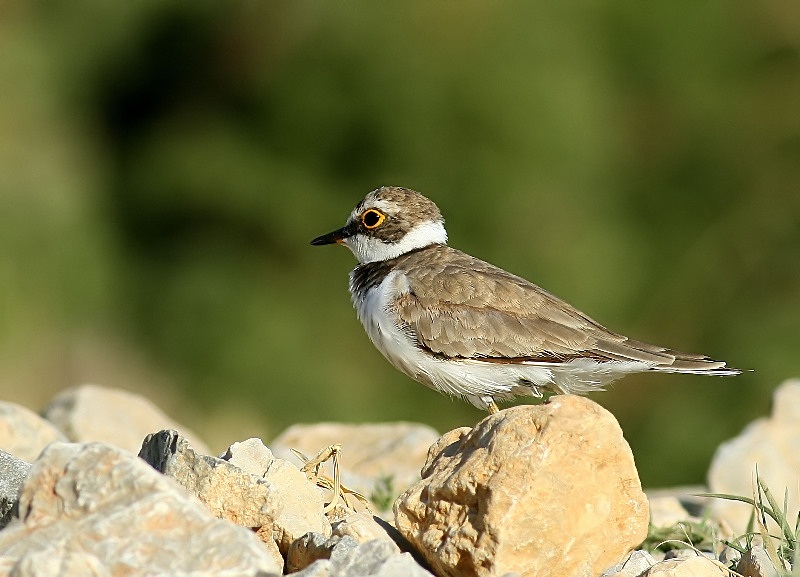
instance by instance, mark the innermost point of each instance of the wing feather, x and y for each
(460, 307)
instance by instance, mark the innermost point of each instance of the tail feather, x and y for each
(703, 367)
(666, 360)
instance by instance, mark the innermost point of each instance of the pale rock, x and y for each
(544, 490)
(690, 499)
(362, 527)
(355, 529)
(370, 452)
(282, 505)
(667, 511)
(121, 418)
(50, 563)
(23, 433)
(12, 474)
(250, 456)
(371, 559)
(94, 504)
(770, 444)
(756, 563)
(633, 565)
(688, 553)
(309, 548)
(693, 567)
(301, 507)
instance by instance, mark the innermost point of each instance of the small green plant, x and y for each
(698, 535)
(781, 548)
(383, 495)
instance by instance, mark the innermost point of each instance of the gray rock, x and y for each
(12, 474)
(769, 444)
(357, 528)
(250, 456)
(307, 549)
(691, 567)
(688, 553)
(363, 527)
(94, 509)
(121, 418)
(50, 563)
(633, 565)
(756, 563)
(283, 505)
(371, 559)
(23, 433)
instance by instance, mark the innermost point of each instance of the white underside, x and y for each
(477, 381)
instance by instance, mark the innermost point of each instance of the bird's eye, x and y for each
(372, 218)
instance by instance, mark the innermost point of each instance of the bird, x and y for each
(469, 329)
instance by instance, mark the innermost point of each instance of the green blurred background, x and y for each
(164, 165)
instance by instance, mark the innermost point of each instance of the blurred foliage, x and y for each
(163, 166)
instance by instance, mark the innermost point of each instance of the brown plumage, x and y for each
(465, 327)
(460, 307)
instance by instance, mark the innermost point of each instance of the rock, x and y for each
(356, 529)
(250, 456)
(688, 553)
(23, 433)
(373, 558)
(370, 452)
(309, 548)
(633, 565)
(50, 563)
(693, 567)
(12, 474)
(769, 443)
(362, 527)
(756, 563)
(90, 505)
(283, 505)
(94, 413)
(667, 511)
(539, 490)
(690, 499)
(300, 503)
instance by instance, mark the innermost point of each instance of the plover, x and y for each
(467, 328)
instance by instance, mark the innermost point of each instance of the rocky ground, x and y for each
(105, 484)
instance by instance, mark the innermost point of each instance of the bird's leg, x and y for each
(491, 406)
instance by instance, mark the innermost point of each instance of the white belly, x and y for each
(469, 379)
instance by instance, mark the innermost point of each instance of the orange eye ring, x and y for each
(372, 219)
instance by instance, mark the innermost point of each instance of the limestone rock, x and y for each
(23, 433)
(12, 474)
(250, 456)
(121, 418)
(769, 443)
(52, 563)
(309, 548)
(355, 529)
(539, 490)
(371, 559)
(633, 565)
(667, 511)
(370, 452)
(692, 567)
(301, 507)
(362, 527)
(282, 503)
(87, 505)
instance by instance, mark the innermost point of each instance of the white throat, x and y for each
(369, 249)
